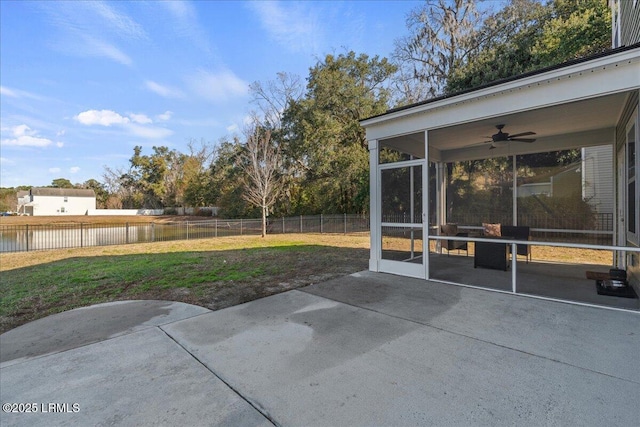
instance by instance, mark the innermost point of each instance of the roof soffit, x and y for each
(567, 76)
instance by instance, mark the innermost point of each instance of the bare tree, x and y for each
(112, 180)
(260, 161)
(274, 96)
(442, 34)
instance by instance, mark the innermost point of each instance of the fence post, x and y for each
(187, 230)
(321, 229)
(80, 234)
(241, 226)
(300, 224)
(216, 233)
(27, 237)
(126, 234)
(283, 230)
(345, 223)
(153, 232)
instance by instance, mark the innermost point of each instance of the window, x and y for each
(66, 199)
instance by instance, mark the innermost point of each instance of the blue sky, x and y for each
(84, 82)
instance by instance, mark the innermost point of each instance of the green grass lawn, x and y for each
(213, 273)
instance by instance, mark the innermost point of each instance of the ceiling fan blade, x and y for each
(521, 134)
(522, 139)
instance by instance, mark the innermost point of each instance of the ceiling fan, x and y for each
(501, 138)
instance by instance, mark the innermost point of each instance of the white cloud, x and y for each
(232, 128)
(100, 48)
(102, 117)
(16, 93)
(54, 170)
(294, 25)
(74, 169)
(163, 90)
(143, 119)
(150, 132)
(5, 161)
(92, 29)
(119, 23)
(135, 124)
(164, 116)
(185, 23)
(5, 91)
(24, 136)
(59, 144)
(218, 87)
(61, 132)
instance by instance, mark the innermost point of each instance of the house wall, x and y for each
(633, 260)
(629, 22)
(597, 178)
(55, 205)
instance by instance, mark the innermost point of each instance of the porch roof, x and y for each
(571, 105)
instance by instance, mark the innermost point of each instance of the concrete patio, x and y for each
(557, 280)
(365, 349)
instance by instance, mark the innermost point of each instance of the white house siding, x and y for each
(597, 178)
(630, 25)
(57, 201)
(633, 260)
(55, 205)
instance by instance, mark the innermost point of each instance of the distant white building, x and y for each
(56, 201)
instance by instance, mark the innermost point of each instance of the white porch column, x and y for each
(441, 196)
(374, 209)
(514, 179)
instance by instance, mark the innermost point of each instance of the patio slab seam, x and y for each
(255, 405)
(473, 338)
(15, 362)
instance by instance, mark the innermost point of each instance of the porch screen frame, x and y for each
(402, 267)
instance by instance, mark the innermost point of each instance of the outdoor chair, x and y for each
(449, 245)
(518, 233)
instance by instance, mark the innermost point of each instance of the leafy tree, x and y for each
(225, 178)
(99, 189)
(61, 183)
(534, 36)
(324, 145)
(153, 180)
(8, 199)
(196, 182)
(576, 28)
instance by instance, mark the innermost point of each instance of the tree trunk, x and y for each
(264, 220)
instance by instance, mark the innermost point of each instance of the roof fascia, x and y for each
(593, 65)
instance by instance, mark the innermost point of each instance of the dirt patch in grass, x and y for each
(213, 273)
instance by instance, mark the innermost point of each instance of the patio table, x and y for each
(491, 255)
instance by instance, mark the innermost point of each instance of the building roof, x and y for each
(62, 192)
(509, 79)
